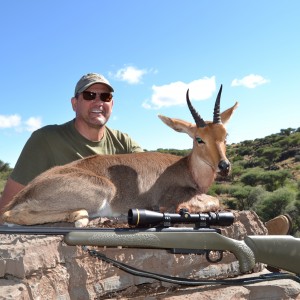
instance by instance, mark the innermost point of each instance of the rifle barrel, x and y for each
(45, 230)
(41, 230)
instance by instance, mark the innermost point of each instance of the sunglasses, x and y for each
(89, 96)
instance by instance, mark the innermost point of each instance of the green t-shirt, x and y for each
(55, 145)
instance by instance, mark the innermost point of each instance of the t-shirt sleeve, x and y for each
(133, 146)
(124, 143)
(34, 159)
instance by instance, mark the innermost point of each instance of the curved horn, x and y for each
(199, 121)
(217, 116)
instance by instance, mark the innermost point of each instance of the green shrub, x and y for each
(241, 193)
(230, 203)
(256, 196)
(271, 154)
(275, 203)
(274, 179)
(219, 189)
(252, 177)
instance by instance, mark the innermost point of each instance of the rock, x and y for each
(275, 290)
(44, 267)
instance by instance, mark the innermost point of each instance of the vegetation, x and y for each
(5, 171)
(265, 176)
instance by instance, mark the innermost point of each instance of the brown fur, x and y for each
(75, 191)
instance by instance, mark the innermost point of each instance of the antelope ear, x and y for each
(179, 125)
(226, 115)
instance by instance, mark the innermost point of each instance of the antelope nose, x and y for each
(224, 167)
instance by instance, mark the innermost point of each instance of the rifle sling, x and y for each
(187, 281)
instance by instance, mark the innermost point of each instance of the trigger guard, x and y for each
(219, 256)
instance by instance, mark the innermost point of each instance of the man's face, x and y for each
(95, 113)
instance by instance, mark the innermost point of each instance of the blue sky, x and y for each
(151, 52)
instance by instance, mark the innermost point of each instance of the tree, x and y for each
(274, 179)
(252, 177)
(4, 167)
(241, 193)
(256, 195)
(275, 204)
(271, 154)
(287, 131)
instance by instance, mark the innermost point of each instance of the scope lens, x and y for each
(139, 217)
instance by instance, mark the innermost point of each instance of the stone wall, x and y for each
(44, 267)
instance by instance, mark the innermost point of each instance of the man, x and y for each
(85, 135)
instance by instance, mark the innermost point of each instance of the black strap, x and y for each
(186, 281)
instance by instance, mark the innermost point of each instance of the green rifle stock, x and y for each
(167, 238)
(278, 251)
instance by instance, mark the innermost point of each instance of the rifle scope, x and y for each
(142, 217)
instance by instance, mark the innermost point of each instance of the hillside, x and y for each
(265, 176)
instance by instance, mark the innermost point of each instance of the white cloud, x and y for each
(130, 74)
(250, 81)
(15, 122)
(33, 123)
(175, 93)
(10, 121)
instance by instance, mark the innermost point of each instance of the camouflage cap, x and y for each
(90, 79)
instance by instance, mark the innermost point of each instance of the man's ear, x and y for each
(74, 103)
(112, 104)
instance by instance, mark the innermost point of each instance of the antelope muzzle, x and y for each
(224, 167)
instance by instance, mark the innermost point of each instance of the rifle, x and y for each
(154, 230)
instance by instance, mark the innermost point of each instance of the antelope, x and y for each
(109, 185)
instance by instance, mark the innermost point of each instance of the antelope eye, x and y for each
(199, 140)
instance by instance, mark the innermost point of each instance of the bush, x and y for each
(275, 204)
(230, 203)
(241, 193)
(5, 171)
(252, 177)
(237, 171)
(256, 196)
(271, 154)
(219, 189)
(274, 179)
(257, 162)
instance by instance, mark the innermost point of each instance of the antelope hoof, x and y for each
(80, 217)
(82, 222)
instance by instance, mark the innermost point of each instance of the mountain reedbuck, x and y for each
(107, 185)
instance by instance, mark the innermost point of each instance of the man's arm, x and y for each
(10, 190)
